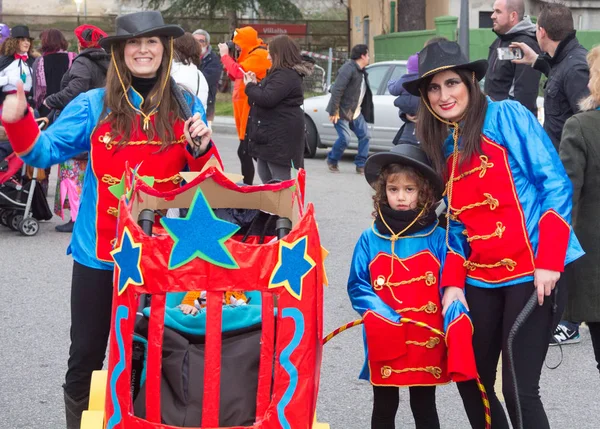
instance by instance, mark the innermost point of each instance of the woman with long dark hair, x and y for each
(509, 234)
(135, 118)
(276, 126)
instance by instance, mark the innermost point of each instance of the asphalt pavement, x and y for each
(34, 332)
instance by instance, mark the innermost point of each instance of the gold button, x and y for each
(380, 281)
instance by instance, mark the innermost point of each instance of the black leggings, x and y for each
(493, 312)
(422, 404)
(246, 161)
(91, 304)
(595, 334)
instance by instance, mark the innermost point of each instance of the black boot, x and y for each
(67, 227)
(73, 410)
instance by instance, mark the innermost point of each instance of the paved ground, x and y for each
(34, 331)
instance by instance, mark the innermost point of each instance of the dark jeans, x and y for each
(91, 304)
(493, 312)
(422, 404)
(595, 334)
(247, 162)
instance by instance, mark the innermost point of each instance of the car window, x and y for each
(376, 76)
(397, 73)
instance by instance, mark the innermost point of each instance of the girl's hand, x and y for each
(545, 282)
(188, 309)
(451, 294)
(195, 127)
(15, 105)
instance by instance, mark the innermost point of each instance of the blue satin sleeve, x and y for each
(455, 309)
(361, 293)
(532, 150)
(67, 137)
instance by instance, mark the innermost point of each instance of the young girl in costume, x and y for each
(395, 273)
(509, 233)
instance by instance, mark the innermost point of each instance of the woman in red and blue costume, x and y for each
(509, 234)
(134, 121)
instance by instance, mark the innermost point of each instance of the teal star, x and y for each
(200, 234)
(293, 265)
(128, 257)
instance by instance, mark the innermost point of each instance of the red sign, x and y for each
(271, 30)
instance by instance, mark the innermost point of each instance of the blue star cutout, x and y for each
(293, 265)
(128, 257)
(200, 234)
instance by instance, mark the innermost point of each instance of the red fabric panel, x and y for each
(454, 273)
(212, 360)
(554, 241)
(461, 357)
(153, 372)
(267, 350)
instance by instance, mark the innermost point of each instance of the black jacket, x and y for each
(505, 80)
(568, 76)
(88, 71)
(211, 67)
(345, 93)
(276, 124)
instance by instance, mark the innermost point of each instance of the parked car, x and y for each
(321, 133)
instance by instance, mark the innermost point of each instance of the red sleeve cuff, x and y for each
(461, 357)
(553, 242)
(386, 340)
(454, 273)
(233, 68)
(22, 134)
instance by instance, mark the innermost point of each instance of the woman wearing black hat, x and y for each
(509, 233)
(17, 62)
(136, 121)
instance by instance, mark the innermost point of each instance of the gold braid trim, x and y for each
(506, 262)
(176, 179)
(110, 180)
(113, 211)
(429, 308)
(482, 169)
(387, 371)
(497, 233)
(109, 144)
(430, 343)
(493, 203)
(380, 282)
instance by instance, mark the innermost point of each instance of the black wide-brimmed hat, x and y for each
(20, 31)
(141, 24)
(404, 154)
(441, 56)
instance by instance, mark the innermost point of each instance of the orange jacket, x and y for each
(253, 57)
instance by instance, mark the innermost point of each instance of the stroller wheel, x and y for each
(29, 226)
(4, 215)
(13, 221)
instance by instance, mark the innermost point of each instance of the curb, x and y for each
(224, 125)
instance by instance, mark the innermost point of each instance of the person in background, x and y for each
(49, 69)
(211, 68)
(88, 71)
(504, 79)
(580, 154)
(16, 63)
(564, 62)
(350, 108)
(4, 33)
(253, 57)
(185, 67)
(406, 103)
(276, 125)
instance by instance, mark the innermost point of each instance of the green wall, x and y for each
(399, 46)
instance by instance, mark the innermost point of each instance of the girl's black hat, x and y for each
(404, 154)
(441, 56)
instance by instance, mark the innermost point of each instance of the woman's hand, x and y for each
(451, 294)
(15, 105)
(529, 55)
(249, 77)
(223, 49)
(195, 127)
(545, 282)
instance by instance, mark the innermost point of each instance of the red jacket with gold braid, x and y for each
(77, 130)
(510, 205)
(387, 283)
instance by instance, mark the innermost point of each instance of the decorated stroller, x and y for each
(200, 252)
(22, 202)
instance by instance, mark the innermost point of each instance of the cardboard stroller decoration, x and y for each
(202, 253)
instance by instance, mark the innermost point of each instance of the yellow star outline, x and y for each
(117, 250)
(286, 283)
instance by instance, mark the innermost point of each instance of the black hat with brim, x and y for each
(20, 32)
(141, 24)
(404, 154)
(442, 56)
